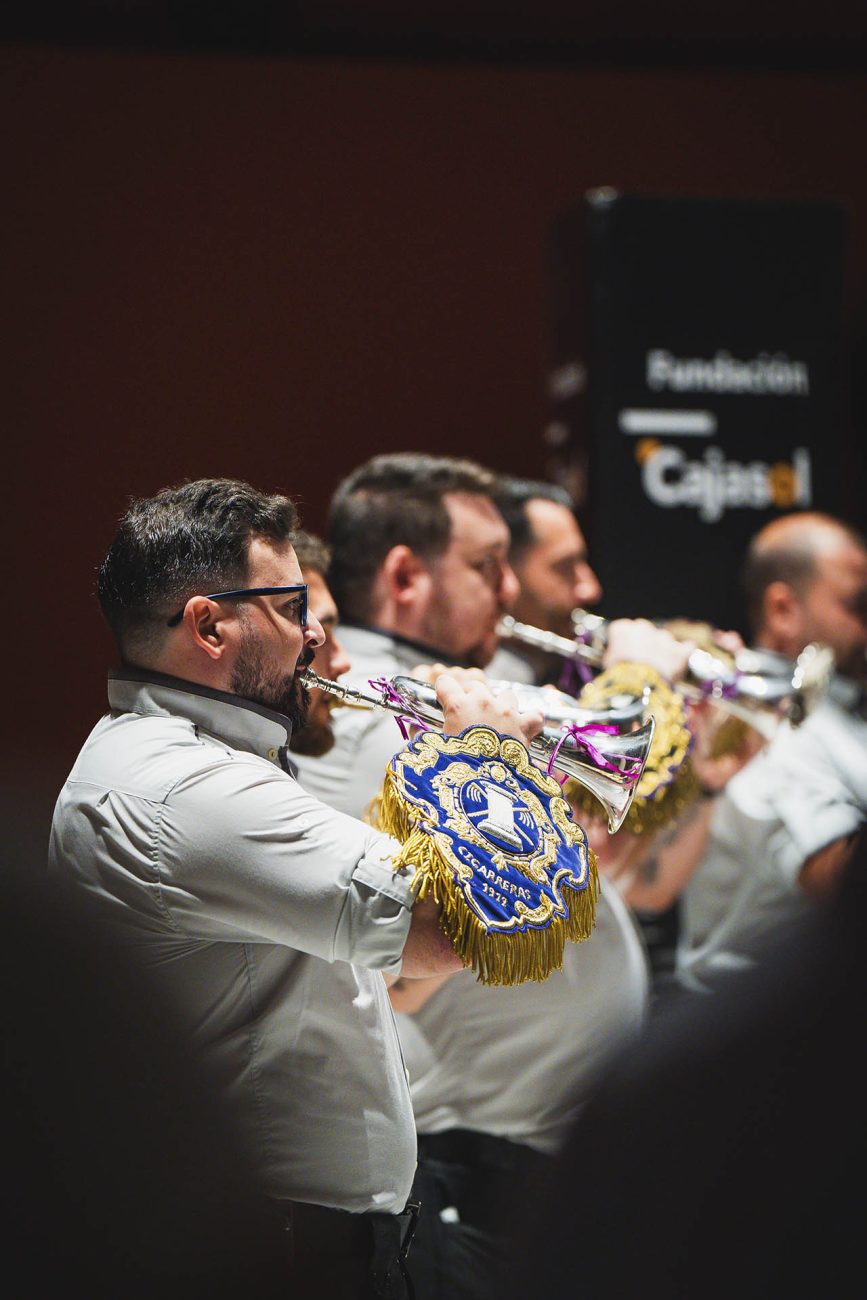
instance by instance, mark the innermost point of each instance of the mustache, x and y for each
(305, 659)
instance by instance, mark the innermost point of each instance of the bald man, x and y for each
(783, 829)
(805, 579)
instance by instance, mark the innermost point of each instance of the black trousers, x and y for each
(342, 1256)
(473, 1188)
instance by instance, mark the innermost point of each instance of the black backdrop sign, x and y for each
(712, 400)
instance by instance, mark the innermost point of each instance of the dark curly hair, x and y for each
(185, 540)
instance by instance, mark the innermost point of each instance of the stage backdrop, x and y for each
(708, 397)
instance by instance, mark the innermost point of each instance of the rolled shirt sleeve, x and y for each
(811, 785)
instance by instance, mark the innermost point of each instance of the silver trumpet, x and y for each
(763, 687)
(624, 711)
(607, 763)
(760, 687)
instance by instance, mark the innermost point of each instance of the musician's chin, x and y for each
(300, 702)
(314, 737)
(481, 654)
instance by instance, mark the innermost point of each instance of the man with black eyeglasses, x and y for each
(263, 916)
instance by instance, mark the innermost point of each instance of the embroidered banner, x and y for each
(495, 842)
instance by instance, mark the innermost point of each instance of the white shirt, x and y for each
(807, 789)
(266, 915)
(518, 1062)
(514, 1062)
(510, 665)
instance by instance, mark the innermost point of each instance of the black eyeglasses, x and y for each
(240, 593)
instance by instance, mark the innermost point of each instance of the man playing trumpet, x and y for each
(779, 837)
(421, 575)
(260, 915)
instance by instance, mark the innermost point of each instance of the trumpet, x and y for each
(625, 711)
(609, 763)
(760, 687)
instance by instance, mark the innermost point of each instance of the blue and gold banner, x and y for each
(493, 840)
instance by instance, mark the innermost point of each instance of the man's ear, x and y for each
(403, 571)
(782, 612)
(205, 622)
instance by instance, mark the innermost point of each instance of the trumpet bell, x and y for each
(609, 766)
(762, 686)
(607, 763)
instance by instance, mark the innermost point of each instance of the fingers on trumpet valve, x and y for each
(431, 672)
(637, 640)
(468, 699)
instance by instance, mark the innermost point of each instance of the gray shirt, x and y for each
(266, 916)
(807, 789)
(510, 665)
(512, 1061)
(518, 1062)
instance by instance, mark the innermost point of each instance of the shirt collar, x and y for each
(417, 650)
(848, 694)
(243, 724)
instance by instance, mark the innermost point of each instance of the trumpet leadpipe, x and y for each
(510, 629)
(607, 762)
(760, 687)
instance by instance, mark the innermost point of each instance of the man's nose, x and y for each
(509, 586)
(313, 631)
(588, 588)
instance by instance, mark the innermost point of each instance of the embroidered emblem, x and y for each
(493, 839)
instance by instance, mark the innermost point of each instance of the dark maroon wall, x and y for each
(273, 269)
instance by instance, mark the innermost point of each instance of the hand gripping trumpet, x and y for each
(758, 687)
(589, 746)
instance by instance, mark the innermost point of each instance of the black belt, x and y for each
(477, 1150)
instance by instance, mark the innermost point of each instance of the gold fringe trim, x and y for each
(669, 782)
(648, 813)
(730, 737)
(497, 958)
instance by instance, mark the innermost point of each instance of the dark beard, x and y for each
(312, 739)
(853, 666)
(282, 692)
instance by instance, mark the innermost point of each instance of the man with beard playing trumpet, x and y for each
(421, 575)
(259, 914)
(316, 736)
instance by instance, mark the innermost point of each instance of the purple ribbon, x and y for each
(574, 676)
(579, 734)
(392, 696)
(580, 667)
(718, 689)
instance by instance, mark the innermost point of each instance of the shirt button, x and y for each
(272, 754)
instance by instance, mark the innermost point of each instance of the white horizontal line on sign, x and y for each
(693, 424)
